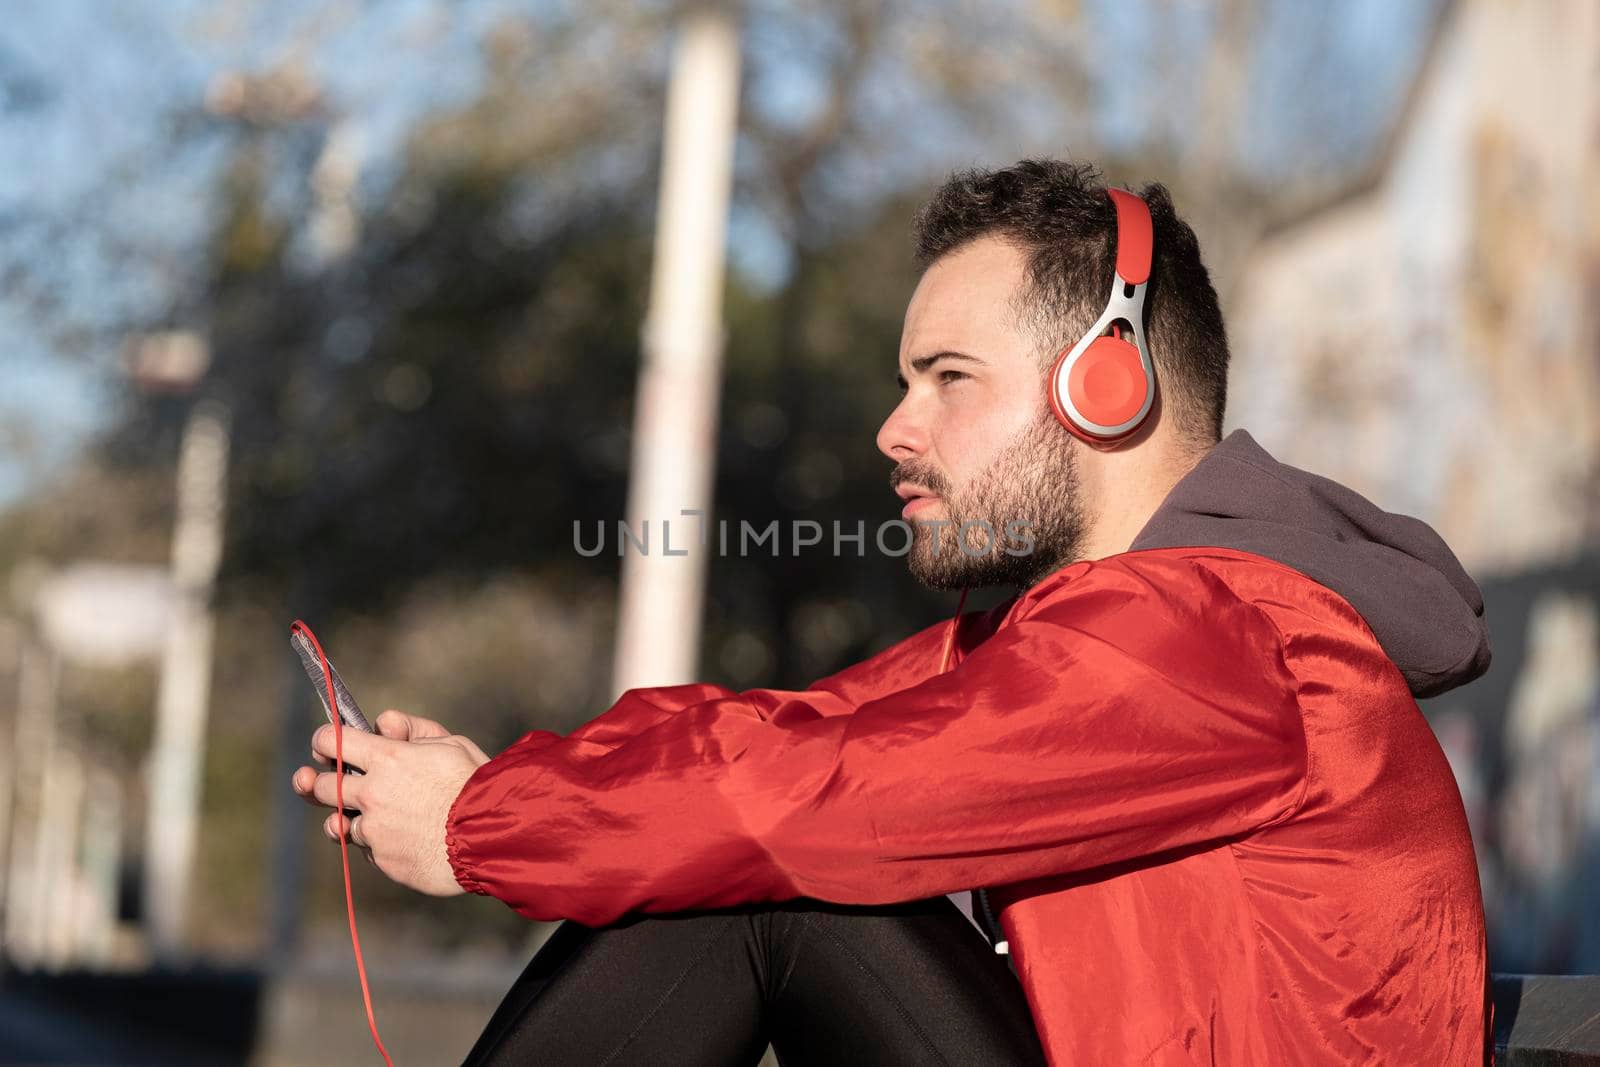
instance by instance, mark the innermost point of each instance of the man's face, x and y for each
(988, 475)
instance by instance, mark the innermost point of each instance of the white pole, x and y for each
(181, 700)
(96, 920)
(60, 820)
(675, 420)
(38, 675)
(11, 643)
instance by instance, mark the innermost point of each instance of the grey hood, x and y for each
(1395, 570)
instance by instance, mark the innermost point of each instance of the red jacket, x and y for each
(1223, 831)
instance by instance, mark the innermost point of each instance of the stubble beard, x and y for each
(1009, 525)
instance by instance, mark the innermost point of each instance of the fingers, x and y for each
(303, 780)
(362, 749)
(337, 824)
(323, 788)
(402, 727)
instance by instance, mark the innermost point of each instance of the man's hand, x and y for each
(414, 771)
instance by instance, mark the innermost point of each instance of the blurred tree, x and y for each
(430, 354)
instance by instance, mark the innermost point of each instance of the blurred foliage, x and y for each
(418, 425)
(422, 412)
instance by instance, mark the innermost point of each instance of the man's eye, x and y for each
(948, 376)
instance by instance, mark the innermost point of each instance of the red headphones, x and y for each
(1102, 387)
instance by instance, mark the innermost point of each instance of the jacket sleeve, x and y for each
(914, 658)
(1136, 707)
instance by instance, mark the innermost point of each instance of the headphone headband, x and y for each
(1136, 238)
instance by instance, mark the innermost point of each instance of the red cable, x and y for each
(950, 634)
(344, 850)
(338, 790)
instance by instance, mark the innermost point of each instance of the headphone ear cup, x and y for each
(1107, 386)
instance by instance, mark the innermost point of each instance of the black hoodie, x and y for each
(1423, 608)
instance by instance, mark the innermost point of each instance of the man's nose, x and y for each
(902, 435)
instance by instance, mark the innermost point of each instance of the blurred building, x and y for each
(1431, 337)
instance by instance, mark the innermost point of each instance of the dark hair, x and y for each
(1059, 215)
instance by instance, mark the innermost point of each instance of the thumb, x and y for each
(478, 755)
(465, 744)
(399, 726)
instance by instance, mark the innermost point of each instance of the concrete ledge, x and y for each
(1543, 1020)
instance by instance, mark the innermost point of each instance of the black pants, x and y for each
(824, 984)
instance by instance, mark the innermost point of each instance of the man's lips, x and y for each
(916, 498)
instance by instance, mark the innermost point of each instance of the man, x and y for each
(1185, 760)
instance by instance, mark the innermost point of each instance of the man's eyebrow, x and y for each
(922, 363)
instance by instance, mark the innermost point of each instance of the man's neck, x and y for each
(1123, 513)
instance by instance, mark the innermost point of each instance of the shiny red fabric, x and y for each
(1223, 831)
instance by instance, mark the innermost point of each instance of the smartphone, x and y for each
(345, 705)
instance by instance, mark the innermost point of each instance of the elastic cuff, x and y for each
(456, 850)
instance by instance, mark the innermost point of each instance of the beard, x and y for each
(1010, 524)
